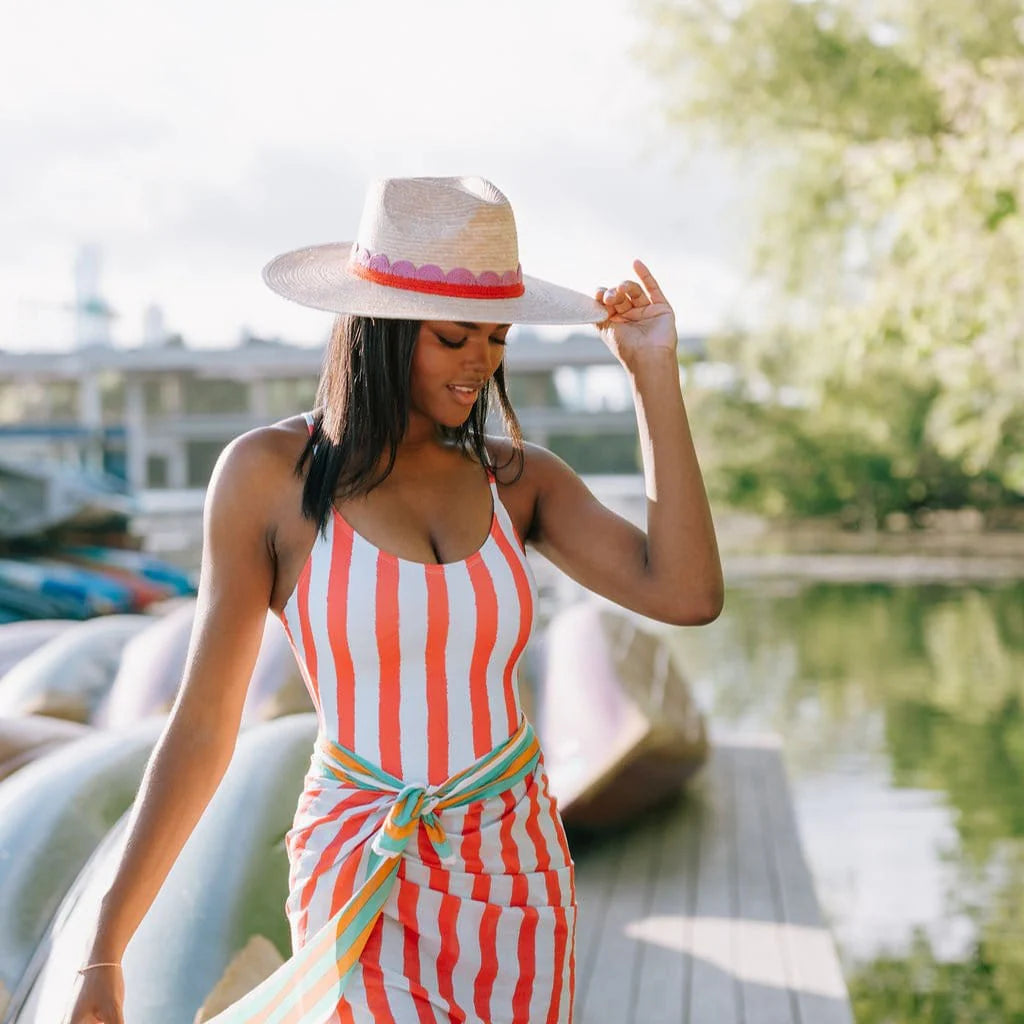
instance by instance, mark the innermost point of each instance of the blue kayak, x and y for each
(80, 592)
(23, 595)
(113, 595)
(140, 563)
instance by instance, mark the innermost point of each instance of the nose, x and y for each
(476, 356)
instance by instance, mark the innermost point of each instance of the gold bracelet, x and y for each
(89, 967)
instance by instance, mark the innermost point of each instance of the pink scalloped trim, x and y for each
(488, 283)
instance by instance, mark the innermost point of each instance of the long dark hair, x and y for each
(362, 412)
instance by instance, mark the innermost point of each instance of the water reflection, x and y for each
(902, 713)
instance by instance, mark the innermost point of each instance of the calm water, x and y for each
(902, 711)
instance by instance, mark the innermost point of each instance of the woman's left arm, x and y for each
(673, 572)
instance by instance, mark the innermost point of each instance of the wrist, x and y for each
(654, 370)
(99, 965)
(103, 952)
(651, 358)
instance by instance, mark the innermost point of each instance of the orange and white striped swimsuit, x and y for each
(413, 667)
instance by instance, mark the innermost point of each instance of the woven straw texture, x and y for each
(428, 235)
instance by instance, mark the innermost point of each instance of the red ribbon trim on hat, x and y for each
(455, 291)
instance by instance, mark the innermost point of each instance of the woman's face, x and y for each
(450, 362)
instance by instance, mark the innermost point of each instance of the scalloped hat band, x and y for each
(430, 278)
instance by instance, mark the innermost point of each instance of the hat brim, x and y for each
(316, 276)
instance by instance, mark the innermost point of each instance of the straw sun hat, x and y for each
(429, 249)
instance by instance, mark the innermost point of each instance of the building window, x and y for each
(115, 461)
(526, 390)
(160, 396)
(203, 395)
(201, 457)
(288, 395)
(63, 395)
(156, 471)
(598, 453)
(23, 401)
(112, 396)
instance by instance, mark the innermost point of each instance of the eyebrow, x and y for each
(476, 327)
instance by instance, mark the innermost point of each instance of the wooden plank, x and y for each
(816, 974)
(609, 991)
(651, 852)
(714, 994)
(760, 955)
(665, 969)
(597, 865)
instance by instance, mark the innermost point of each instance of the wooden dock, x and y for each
(705, 913)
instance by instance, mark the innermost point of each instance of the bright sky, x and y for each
(194, 141)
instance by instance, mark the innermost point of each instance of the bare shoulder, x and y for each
(253, 471)
(263, 450)
(540, 466)
(527, 483)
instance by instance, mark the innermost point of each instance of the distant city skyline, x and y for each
(189, 146)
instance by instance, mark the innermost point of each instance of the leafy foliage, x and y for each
(888, 138)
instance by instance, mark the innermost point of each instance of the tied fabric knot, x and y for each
(415, 803)
(306, 988)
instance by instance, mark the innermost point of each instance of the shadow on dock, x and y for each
(703, 911)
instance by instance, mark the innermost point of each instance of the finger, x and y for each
(599, 294)
(625, 296)
(652, 286)
(635, 293)
(615, 302)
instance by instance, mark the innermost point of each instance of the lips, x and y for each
(464, 394)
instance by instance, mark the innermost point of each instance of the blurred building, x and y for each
(158, 416)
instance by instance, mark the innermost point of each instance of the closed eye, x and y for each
(459, 344)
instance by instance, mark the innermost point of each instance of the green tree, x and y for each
(888, 138)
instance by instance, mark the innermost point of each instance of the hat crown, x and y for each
(451, 223)
(429, 249)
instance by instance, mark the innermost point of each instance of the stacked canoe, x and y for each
(80, 582)
(82, 706)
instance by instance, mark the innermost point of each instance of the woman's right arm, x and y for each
(198, 740)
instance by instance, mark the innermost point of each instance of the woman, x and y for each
(429, 875)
